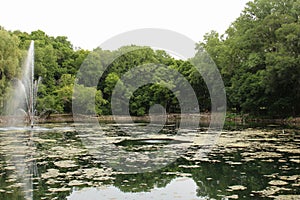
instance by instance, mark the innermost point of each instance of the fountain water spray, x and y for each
(19, 106)
(22, 101)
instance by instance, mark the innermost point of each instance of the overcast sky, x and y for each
(88, 23)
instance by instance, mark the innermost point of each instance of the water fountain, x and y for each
(22, 100)
(20, 107)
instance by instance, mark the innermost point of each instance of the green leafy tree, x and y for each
(259, 58)
(10, 57)
(85, 103)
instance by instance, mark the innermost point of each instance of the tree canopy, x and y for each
(257, 56)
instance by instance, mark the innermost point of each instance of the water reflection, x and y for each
(178, 188)
(18, 164)
(54, 162)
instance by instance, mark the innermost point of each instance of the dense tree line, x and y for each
(258, 57)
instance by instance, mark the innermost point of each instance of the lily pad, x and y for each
(237, 187)
(277, 182)
(65, 163)
(51, 173)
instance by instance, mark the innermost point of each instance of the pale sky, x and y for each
(88, 23)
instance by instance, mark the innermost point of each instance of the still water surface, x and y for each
(63, 161)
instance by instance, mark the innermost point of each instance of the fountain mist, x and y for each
(22, 101)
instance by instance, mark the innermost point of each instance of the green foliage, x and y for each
(64, 92)
(258, 57)
(10, 57)
(89, 100)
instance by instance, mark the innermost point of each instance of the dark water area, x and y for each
(64, 161)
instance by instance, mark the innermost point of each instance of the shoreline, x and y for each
(203, 118)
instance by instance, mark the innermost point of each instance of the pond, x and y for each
(80, 161)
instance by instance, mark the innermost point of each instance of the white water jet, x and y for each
(22, 101)
(20, 107)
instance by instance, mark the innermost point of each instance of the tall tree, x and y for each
(10, 57)
(259, 58)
